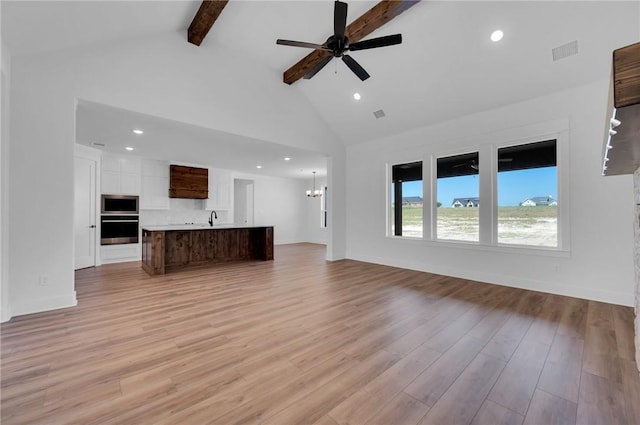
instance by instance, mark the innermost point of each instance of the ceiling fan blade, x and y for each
(355, 67)
(374, 18)
(302, 44)
(318, 67)
(387, 40)
(339, 19)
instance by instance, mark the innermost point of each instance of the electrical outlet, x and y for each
(43, 280)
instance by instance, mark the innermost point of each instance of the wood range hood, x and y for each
(188, 182)
(622, 139)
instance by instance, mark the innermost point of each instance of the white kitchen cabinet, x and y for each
(154, 191)
(110, 182)
(130, 165)
(220, 188)
(110, 163)
(129, 184)
(120, 176)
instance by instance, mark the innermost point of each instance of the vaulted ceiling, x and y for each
(446, 66)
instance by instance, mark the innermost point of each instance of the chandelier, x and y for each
(315, 192)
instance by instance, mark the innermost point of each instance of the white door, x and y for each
(243, 201)
(85, 212)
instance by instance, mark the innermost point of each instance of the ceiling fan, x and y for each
(471, 163)
(474, 165)
(338, 44)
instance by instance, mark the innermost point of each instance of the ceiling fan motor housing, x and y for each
(338, 45)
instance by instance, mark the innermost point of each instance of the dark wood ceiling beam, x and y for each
(370, 21)
(203, 21)
(626, 76)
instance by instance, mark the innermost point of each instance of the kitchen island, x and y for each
(173, 247)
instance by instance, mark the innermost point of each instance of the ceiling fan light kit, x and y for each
(340, 43)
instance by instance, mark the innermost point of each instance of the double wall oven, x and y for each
(119, 220)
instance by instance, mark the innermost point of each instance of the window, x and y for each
(499, 195)
(323, 207)
(406, 200)
(458, 200)
(527, 194)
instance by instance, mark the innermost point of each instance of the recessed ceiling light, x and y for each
(258, 166)
(138, 131)
(497, 35)
(356, 96)
(129, 148)
(287, 159)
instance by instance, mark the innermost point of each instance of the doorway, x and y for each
(84, 212)
(243, 192)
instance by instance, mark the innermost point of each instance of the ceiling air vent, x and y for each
(565, 50)
(379, 113)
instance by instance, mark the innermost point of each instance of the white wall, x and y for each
(161, 75)
(599, 264)
(337, 208)
(5, 71)
(280, 202)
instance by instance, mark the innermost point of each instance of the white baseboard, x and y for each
(44, 304)
(287, 241)
(511, 281)
(119, 260)
(337, 256)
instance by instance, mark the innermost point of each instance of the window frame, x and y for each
(323, 207)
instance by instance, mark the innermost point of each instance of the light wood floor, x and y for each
(300, 340)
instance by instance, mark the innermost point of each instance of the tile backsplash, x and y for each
(183, 211)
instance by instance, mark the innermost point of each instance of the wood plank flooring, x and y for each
(299, 340)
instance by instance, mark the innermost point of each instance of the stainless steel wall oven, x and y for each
(119, 204)
(119, 222)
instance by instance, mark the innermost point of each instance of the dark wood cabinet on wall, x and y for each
(188, 182)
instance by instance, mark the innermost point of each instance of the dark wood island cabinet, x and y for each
(169, 248)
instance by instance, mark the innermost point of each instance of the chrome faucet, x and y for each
(211, 217)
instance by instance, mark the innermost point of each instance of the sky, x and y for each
(513, 186)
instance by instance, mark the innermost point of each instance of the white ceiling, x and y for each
(39, 26)
(445, 68)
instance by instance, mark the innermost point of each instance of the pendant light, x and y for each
(316, 192)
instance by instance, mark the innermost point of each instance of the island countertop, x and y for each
(199, 226)
(172, 247)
